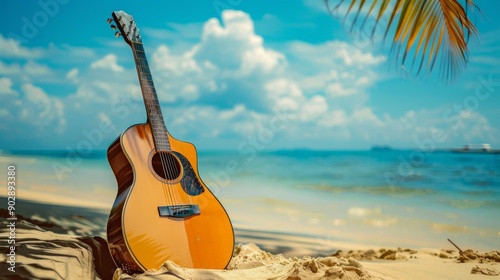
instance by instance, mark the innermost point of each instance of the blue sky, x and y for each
(284, 74)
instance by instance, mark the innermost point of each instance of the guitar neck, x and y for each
(153, 109)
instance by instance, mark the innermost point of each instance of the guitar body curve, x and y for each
(154, 219)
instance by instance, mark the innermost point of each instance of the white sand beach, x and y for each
(43, 254)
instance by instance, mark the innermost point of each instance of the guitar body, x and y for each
(158, 217)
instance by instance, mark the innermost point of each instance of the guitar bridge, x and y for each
(179, 211)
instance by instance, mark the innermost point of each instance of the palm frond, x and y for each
(428, 30)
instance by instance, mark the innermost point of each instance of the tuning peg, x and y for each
(113, 26)
(110, 20)
(117, 34)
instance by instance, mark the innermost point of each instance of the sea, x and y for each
(306, 200)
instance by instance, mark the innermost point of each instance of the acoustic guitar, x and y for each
(163, 211)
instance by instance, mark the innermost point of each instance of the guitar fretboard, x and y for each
(151, 102)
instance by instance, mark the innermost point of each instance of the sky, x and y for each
(232, 73)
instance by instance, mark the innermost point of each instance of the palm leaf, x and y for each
(428, 30)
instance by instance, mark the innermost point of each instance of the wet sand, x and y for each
(55, 241)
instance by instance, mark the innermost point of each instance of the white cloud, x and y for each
(314, 108)
(44, 110)
(29, 71)
(219, 69)
(337, 68)
(431, 126)
(334, 118)
(284, 93)
(33, 111)
(475, 127)
(10, 69)
(228, 85)
(74, 52)
(108, 62)
(366, 115)
(72, 74)
(230, 67)
(175, 65)
(235, 47)
(6, 86)
(33, 68)
(232, 113)
(12, 48)
(336, 89)
(261, 59)
(190, 92)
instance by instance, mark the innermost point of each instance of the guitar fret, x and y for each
(149, 88)
(149, 92)
(145, 69)
(138, 46)
(160, 139)
(157, 125)
(153, 107)
(153, 102)
(140, 54)
(142, 62)
(146, 77)
(150, 84)
(150, 96)
(139, 50)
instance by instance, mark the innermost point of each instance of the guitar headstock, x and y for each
(126, 27)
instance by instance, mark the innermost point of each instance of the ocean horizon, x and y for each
(341, 199)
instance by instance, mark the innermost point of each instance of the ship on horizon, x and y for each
(476, 148)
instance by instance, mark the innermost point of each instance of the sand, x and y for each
(68, 247)
(250, 262)
(46, 255)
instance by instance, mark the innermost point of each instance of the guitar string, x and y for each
(170, 171)
(167, 173)
(169, 163)
(166, 193)
(178, 168)
(175, 169)
(166, 166)
(172, 168)
(165, 184)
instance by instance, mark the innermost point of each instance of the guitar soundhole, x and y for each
(166, 165)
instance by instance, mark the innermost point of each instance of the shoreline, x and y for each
(81, 219)
(74, 219)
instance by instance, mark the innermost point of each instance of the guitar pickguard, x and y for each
(189, 182)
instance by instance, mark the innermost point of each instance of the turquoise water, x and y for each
(341, 198)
